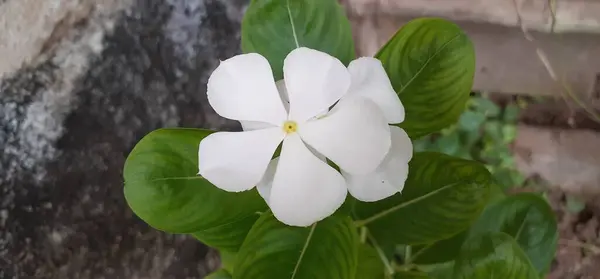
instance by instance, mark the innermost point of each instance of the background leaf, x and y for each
(328, 249)
(441, 197)
(529, 220)
(410, 275)
(219, 274)
(162, 188)
(431, 63)
(439, 271)
(493, 255)
(471, 120)
(273, 28)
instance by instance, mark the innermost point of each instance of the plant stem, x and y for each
(390, 270)
(407, 254)
(363, 234)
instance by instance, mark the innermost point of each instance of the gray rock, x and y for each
(68, 121)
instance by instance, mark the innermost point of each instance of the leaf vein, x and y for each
(310, 234)
(292, 22)
(392, 209)
(429, 61)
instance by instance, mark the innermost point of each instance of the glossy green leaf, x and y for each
(162, 188)
(369, 264)
(227, 237)
(328, 249)
(227, 260)
(273, 28)
(219, 274)
(442, 196)
(431, 63)
(493, 255)
(529, 220)
(441, 251)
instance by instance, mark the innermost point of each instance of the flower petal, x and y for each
(370, 80)
(236, 161)
(402, 147)
(376, 185)
(315, 81)
(305, 189)
(389, 178)
(255, 125)
(242, 88)
(354, 135)
(283, 94)
(266, 183)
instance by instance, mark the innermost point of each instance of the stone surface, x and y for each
(44, 23)
(70, 115)
(568, 159)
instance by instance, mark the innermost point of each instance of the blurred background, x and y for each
(81, 81)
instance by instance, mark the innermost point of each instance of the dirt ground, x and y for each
(578, 253)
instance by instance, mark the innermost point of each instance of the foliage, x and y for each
(483, 133)
(445, 223)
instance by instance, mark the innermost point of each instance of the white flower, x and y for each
(370, 80)
(299, 186)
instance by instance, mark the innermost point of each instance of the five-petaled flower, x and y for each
(320, 110)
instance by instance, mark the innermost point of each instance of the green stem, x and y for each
(363, 234)
(407, 254)
(420, 252)
(390, 270)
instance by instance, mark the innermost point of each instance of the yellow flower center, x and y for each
(290, 127)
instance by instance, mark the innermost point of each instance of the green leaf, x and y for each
(409, 275)
(493, 130)
(439, 271)
(369, 263)
(493, 255)
(273, 28)
(327, 249)
(529, 220)
(441, 251)
(449, 144)
(511, 113)
(162, 188)
(227, 237)
(471, 120)
(431, 63)
(574, 204)
(486, 106)
(227, 260)
(219, 274)
(509, 133)
(441, 197)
